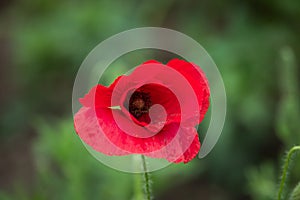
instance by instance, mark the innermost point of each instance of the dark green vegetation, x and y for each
(255, 44)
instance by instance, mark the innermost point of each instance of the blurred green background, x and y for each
(255, 44)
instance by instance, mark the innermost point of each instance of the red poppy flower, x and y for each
(153, 111)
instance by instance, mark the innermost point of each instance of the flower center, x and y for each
(139, 104)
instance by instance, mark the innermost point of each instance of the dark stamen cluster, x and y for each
(139, 104)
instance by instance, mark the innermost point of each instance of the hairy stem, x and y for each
(286, 169)
(146, 179)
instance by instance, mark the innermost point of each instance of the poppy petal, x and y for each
(183, 148)
(88, 129)
(99, 95)
(117, 132)
(131, 137)
(197, 80)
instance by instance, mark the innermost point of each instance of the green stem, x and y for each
(146, 179)
(285, 170)
(138, 189)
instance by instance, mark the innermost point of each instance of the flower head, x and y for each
(153, 111)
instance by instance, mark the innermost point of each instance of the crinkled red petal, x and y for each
(88, 129)
(99, 96)
(95, 122)
(197, 80)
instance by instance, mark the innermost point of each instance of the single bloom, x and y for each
(153, 111)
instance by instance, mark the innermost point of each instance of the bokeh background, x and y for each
(255, 44)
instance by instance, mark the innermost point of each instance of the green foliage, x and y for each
(287, 126)
(288, 113)
(296, 193)
(262, 182)
(4, 196)
(67, 171)
(254, 43)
